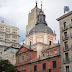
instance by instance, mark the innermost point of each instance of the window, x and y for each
(66, 56)
(54, 64)
(1, 34)
(7, 36)
(17, 60)
(44, 66)
(22, 59)
(49, 70)
(67, 68)
(64, 25)
(14, 32)
(14, 36)
(43, 55)
(1, 38)
(7, 39)
(49, 42)
(14, 40)
(35, 67)
(15, 45)
(27, 58)
(7, 31)
(0, 53)
(66, 45)
(65, 34)
(13, 56)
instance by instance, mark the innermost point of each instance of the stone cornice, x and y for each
(65, 15)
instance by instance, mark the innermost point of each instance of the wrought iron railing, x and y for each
(64, 28)
(66, 60)
(70, 25)
(71, 35)
(66, 48)
(65, 37)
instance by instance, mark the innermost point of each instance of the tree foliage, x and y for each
(6, 66)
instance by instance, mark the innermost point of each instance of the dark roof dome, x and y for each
(41, 28)
(41, 24)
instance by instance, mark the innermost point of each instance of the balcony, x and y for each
(65, 37)
(71, 35)
(70, 25)
(64, 28)
(66, 48)
(65, 61)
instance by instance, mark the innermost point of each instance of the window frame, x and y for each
(53, 64)
(44, 68)
(35, 68)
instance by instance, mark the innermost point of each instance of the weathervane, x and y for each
(41, 5)
(36, 3)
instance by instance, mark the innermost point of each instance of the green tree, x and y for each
(6, 66)
(11, 69)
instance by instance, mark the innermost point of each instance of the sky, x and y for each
(15, 13)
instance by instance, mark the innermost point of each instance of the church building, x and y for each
(39, 53)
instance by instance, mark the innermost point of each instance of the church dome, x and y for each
(41, 28)
(41, 24)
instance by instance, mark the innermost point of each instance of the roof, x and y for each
(41, 24)
(26, 46)
(41, 28)
(10, 48)
(65, 15)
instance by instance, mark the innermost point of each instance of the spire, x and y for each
(36, 3)
(41, 5)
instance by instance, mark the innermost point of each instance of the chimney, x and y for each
(30, 45)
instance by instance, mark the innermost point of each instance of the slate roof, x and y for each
(41, 24)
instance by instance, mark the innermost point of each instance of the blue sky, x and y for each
(15, 13)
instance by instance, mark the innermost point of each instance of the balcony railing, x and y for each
(71, 35)
(66, 60)
(66, 48)
(71, 25)
(64, 28)
(65, 37)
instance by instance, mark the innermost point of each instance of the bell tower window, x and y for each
(49, 42)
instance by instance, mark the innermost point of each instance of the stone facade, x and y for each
(9, 36)
(65, 22)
